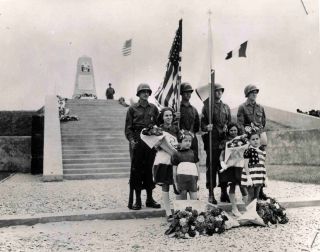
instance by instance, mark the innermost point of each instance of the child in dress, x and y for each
(186, 171)
(254, 172)
(232, 175)
(162, 167)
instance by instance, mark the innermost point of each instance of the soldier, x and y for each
(250, 113)
(189, 116)
(141, 115)
(221, 117)
(110, 92)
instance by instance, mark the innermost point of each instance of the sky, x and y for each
(41, 41)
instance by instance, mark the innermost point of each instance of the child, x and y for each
(162, 167)
(254, 172)
(232, 175)
(186, 171)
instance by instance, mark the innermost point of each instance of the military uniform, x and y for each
(251, 113)
(190, 121)
(142, 157)
(221, 117)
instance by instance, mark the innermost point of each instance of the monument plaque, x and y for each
(84, 84)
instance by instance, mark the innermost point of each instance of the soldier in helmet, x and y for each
(189, 116)
(141, 115)
(221, 117)
(250, 113)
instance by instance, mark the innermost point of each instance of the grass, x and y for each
(291, 173)
(295, 173)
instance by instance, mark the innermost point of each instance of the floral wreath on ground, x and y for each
(79, 96)
(272, 212)
(189, 223)
(64, 112)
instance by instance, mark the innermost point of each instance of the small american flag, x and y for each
(167, 93)
(126, 50)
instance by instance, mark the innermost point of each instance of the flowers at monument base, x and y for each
(189, 223)
(272, 212)
(64, 112)
(86, 96)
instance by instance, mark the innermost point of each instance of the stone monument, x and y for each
(84, 85)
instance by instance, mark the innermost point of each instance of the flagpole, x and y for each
(211, 99)
(179, 75)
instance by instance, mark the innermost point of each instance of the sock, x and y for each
(149, 195)
(166, 203)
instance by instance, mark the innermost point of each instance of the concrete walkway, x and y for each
(27, 200)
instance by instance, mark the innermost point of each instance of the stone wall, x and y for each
(15, 140)
(15, 153)
(16, 123)
(287, 147)
(295, 147)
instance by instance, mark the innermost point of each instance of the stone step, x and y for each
(97, 165)
(92, 134)
(95, 160)
(93, 147)
(97, 176)
(96, 155)
(88, 152)
(94, 139)
(67, 129)
(80, 142)
(95, 170)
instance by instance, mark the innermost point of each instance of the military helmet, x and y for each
(143, 86)
(218, 86)
(248, 89)
(185, 87)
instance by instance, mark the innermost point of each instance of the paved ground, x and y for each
(27, 194)
(148, 235)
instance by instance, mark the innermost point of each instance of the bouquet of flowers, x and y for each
(152, 131)
(190, 223)
(86, 96)
(272, 212)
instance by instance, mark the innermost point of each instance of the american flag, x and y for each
(167, 94)
(126, 50)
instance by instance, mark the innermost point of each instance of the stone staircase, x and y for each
(95, 146)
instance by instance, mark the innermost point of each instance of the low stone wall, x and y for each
(287, 147)
(15, 153)
(295, 147)
(15, 140)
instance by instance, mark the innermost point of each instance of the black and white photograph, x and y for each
(163, 125)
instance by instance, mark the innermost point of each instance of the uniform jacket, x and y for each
(251, 113)
(189, 119)
(139, 117)
(221, 117)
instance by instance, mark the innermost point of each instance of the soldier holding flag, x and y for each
(221, 117)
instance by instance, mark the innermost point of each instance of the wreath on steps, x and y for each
(64, 115)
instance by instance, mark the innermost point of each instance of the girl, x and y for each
(232, 175)
(186, 171)
(254, 172)
(162, 168)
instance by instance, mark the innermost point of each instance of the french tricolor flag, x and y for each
(241, 52)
